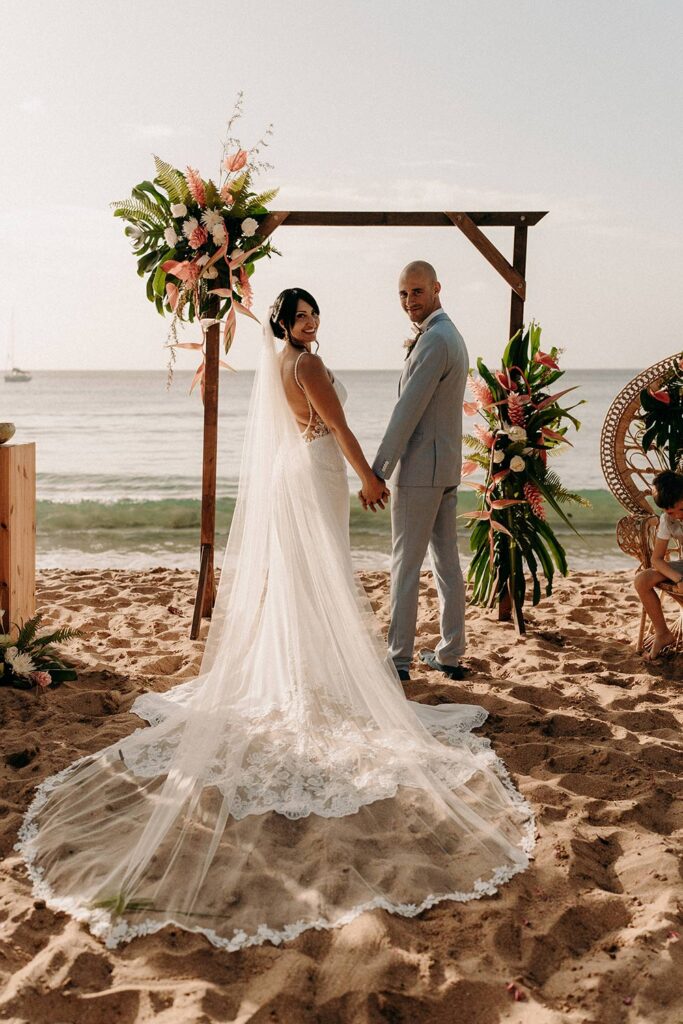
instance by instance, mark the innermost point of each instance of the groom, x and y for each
(422, 449)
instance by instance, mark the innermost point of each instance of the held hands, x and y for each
(374, 492)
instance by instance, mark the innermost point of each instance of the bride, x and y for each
(290, 785)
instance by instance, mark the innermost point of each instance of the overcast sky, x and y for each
(572, 107)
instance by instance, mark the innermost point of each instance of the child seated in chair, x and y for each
(667, 491)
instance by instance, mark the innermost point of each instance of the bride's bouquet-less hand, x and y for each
(29, 659)
(197, 241)
(524, 424)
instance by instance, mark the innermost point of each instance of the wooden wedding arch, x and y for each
(470, 224)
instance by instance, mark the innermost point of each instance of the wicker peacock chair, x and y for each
(628, 471)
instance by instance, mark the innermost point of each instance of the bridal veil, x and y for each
(290, 785)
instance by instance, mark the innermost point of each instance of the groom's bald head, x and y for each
(418, 290)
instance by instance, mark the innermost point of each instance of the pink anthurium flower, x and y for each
(662, 395)
(546, 360)
(470, 408)
(236, 161)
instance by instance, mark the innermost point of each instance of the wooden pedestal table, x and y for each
(17, 532)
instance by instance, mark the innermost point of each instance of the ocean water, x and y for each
(119, 464)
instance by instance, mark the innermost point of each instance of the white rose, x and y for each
(210, 274)
(178, 209)
(10, 654)
(517, 433)
(190, 225)
(210, 218)
(498, 455)
(218, 234)
(249, 227)
(517, 464)
(171, 237)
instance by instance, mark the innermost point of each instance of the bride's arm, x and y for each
(322, 396)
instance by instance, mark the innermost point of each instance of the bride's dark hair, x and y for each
(284, 308)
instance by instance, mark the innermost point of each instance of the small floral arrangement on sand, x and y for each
(197, 240)
(661, 411)
(523, 425)
(29, 660)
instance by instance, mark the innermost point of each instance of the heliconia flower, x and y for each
(236, 161)
(245, 288)
(249, 227)
(41, 678)
(662, 395)
(171, 237)
(196, 186)
(210, 218)
(219, 233)
(480, 390)
(469, 408)
(517, 464)
(198, 237)
(535, 499)
(543, 454)
(469, 466)
(516, 413)
(226, 195)
(545, 360)
(485, 436)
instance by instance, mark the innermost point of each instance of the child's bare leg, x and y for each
(645, 583)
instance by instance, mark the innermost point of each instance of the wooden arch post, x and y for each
(470, 224)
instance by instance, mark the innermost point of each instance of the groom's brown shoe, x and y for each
(452, 671)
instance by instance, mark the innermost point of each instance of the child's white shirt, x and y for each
(668, 528)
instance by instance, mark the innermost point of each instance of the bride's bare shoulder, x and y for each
(310, 366)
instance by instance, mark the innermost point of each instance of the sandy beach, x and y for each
(590, 934)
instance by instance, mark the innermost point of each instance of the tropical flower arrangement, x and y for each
(197, 240)
(28, 660)
(523, 425)
(661, 412)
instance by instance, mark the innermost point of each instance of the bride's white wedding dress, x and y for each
(291, 785)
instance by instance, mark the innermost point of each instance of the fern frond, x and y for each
(553, 484)
(28, 631)
(60, 636)
(136, 210)
(264, 198)
(173, 181)
(475, 445)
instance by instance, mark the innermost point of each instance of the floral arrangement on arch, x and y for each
(661, 412)
(523, 425)
(29, 660)
(197, 240)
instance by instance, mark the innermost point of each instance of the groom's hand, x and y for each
(374, 492)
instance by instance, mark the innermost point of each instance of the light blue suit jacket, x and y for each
(422, 445)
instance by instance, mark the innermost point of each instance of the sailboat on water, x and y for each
(14, 375)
